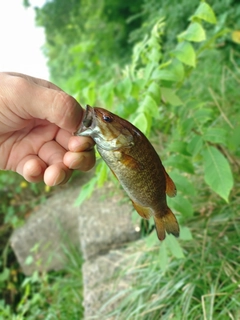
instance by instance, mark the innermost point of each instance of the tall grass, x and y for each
(205, 284)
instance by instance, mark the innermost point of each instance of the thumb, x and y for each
(36, 98)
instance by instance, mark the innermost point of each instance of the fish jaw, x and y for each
(88, 125)
(90, 128)
(105, 136)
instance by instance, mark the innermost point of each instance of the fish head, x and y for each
(109, 131)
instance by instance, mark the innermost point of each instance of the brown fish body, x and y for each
(135, 163)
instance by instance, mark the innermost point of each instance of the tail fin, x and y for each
(167, 222)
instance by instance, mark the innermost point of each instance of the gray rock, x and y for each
(102, 222)
(106, 222)
(106, 280)
(39, 244)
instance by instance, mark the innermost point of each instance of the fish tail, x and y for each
(166, 222)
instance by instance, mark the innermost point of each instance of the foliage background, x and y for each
(173, 70)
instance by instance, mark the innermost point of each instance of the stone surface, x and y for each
(105, 222)
(104, 282)
(54, 224)
(102, 226)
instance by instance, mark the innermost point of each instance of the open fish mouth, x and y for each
(88, 123)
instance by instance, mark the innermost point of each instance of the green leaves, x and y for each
(185, 53)
(182, 205)
(205, 12)
(217, 172)
(141, 122)
(194, 32)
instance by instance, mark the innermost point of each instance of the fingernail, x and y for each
(60, 177)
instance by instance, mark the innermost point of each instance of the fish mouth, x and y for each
(88, 123)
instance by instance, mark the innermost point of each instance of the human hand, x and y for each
(37, 120)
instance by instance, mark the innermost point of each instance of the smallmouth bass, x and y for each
(135, 163)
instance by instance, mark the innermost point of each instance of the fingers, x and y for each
(61, 163)
(32, 168)
(54, 165)
(82, 161)
(60, 172)
(78, 144)
(81, 154)
(35, 170)
(57, 174)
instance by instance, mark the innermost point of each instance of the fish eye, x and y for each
(107, 118)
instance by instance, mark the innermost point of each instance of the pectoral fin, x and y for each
(128, 161)
(144, 212)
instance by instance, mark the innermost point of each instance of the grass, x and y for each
(205, 284)
(52, 295)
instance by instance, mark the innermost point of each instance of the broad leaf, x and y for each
(170, 96)
(185, 53)
(165, 74)
(217, 172)
(181, 162)
(179, 146)
(181, 205)
(155, 92)
(203, 115)
(174, 246)
(216, 135)
(178, 69)
(152, 240)
(185, 233)
(194, 32)
(149, 106)
(185, 126)
(183, 183)
(205, 12)
(106, 94)
(155, 54)
(195, 145)
(89, 94)
(233, 139)
(141, 122)
(124, 88)
(4, 275)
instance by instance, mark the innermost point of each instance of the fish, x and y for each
(135, 163)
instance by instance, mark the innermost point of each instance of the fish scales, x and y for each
(135, 163)
(143, 173)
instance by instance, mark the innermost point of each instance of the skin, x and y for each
(37, 120)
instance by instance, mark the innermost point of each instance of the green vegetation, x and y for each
(172, 69)
(53, 295)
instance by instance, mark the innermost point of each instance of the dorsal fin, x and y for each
(171, 189)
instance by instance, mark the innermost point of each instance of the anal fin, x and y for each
(144, 212)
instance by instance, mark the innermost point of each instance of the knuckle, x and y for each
(63, 108)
